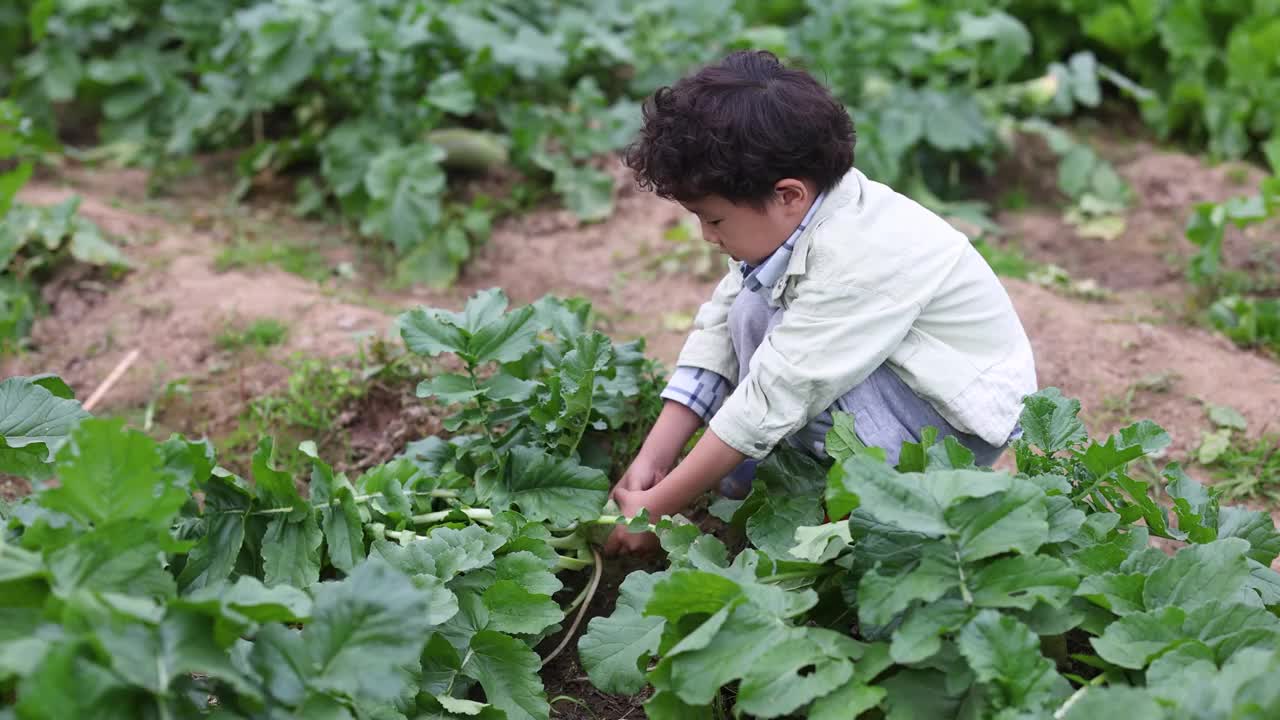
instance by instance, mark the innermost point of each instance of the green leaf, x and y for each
(614, 648)
(405, 185)
(842, 441)
(226, 510)
(772, 528)
(250, 598)
(108, 473)
(880, 597)
(529, 572)
(1005, 653)
(586, 191)
(914, 457)
(796, 671)
(32, 415)
(1050, 421)
(452, 93)
(53, 384)
(428, 332)
(445, 553)
(449, 388)
(1015, 520)
(1117, 702)
(90, 247)
(918, 638)
(507, 670)
(1118, 592)
(513, 609)
(1227, 417)
(124, 556)
(274, 488)
(152, 658)
(339, 516)
(505, 339)
(916, 502)
(700, 665)
(1255, 527)
(365, 632)
(546, 488)
(291, 551)
(1132, 640)
(1023, 580)
(502, 386)
(1213, 445)
(847, 701)
(1198, 574)
(821, 543)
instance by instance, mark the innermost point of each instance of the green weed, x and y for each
(1006, 260)
(300, 261)
(1244, 468)
(259, 334)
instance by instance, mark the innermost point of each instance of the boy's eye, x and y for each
(714, 222)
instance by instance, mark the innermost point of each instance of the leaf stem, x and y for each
(441, 494)
(572, 563)
(796, 575)
(482, 515)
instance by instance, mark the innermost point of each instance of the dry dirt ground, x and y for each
(1126, 358)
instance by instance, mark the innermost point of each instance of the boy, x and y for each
(842, 295)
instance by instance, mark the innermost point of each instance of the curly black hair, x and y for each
(735, 128)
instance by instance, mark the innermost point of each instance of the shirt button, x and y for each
(762, 446)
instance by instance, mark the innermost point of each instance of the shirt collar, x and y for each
(763, 277)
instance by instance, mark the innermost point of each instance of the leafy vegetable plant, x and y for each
(951, 591)
(418, 589)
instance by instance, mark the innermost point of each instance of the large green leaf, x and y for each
(109, 473)
(772, 528)
(226, 510)
(880, 597)
(123, 557)
(515, 610)
(614, 647)
(507, 670)
(427, 332)
(365, 631)
(1005, 653)
(1023, 580)
(31, 415)
(405, 185)
(796, 671)
(1050, 421)
(339, 516)
(153, 658)
(291, 551)
(1199, 574)
(552, 489)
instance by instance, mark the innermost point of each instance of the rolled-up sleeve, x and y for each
(832, 337)
(702, 391)
(709, 345)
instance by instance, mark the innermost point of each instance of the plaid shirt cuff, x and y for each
(702, 391)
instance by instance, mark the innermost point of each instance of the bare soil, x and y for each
(1127, 358)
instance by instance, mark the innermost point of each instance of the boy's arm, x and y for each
(670, 433)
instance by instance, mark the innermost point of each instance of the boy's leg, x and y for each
(885, 410)
(887, 413)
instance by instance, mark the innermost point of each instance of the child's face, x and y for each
(751, 234)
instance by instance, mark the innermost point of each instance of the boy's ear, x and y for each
(792, 193)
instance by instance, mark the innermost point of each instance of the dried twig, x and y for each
(111, 379)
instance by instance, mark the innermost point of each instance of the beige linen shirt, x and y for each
(874, 278)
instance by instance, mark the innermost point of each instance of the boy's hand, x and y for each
(623, 541)
(643, 474)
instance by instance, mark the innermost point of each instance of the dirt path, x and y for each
(1123, 358)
